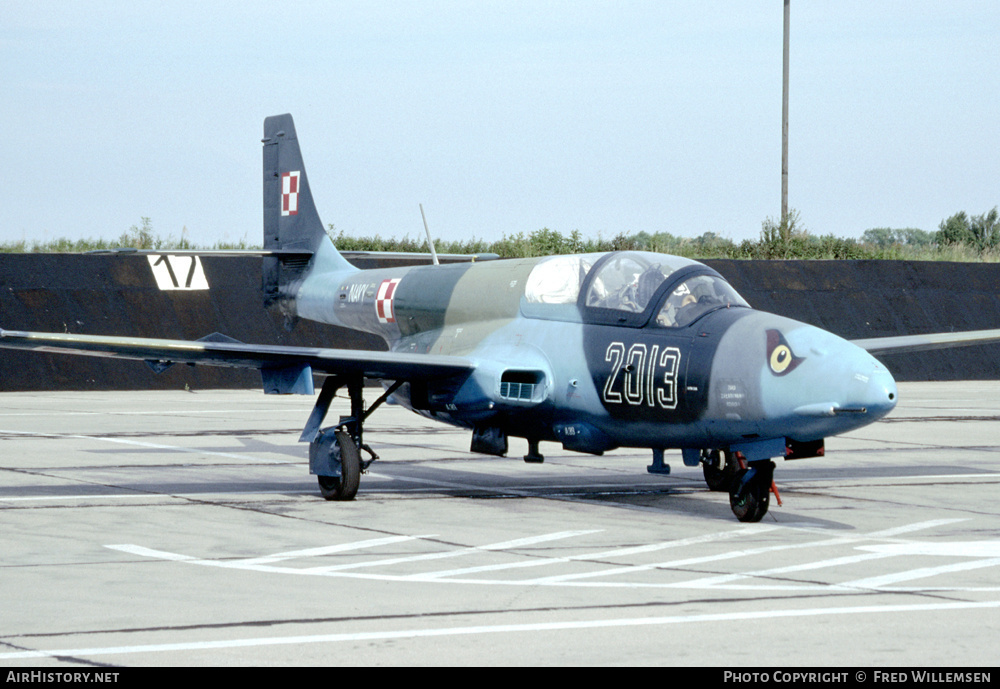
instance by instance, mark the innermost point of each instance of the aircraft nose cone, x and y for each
(876, 390)
(829, 384)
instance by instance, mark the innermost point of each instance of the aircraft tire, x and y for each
(750, 501)
(345, 486)
(719, 475)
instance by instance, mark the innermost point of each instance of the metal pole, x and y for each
(430, 242)
(784, 127)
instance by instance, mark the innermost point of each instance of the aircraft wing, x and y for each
(917, 343)
(219, 350)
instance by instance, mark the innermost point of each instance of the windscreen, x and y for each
(694, 298)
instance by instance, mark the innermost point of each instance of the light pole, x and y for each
(784, 130)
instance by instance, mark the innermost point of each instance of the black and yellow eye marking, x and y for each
(780, 357)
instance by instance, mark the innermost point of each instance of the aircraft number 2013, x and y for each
(649, 375)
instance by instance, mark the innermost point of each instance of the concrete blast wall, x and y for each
(861, 299)
(120, 295)
(128, 295)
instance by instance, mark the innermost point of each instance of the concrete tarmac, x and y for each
(183, 528)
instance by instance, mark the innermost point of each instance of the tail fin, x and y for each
(291, 222)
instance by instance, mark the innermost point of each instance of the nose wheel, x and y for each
(750, 493)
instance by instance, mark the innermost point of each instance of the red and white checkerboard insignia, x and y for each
(383, 301)
(290, 193)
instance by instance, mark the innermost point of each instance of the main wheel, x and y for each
(343, 452)
(719, 472)
(750, 493)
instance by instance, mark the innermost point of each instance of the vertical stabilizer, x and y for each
(291, 222)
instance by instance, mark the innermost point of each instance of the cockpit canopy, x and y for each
(695, 297)
(623, 286)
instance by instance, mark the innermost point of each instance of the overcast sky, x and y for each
(500, 117)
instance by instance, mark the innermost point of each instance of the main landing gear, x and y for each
(335, 452)
(340, 451)
(719, 469)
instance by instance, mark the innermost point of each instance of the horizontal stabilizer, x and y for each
(408, 257)
(284, 254)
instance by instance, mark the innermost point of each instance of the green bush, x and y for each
(959, 238)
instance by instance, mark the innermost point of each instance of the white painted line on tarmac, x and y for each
(331, 549)
(152, 446)
(922, 573)
(505, 545)
(150, 494)
(615, 552)
(804, 567)
(789, 480)
(264, 563)
(259, 563)
(911, 528)
(976, 549)
(733, 554)
(89, 496)
(566, 625)
(893, 532)
(149, 552)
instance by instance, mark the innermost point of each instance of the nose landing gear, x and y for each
(750, 492)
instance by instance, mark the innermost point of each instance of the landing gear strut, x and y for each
(335, 452)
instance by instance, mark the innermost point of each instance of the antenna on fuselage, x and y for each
(430, 242)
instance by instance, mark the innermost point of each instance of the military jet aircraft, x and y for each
(593, 351)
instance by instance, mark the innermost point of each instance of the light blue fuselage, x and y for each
(576, 353)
